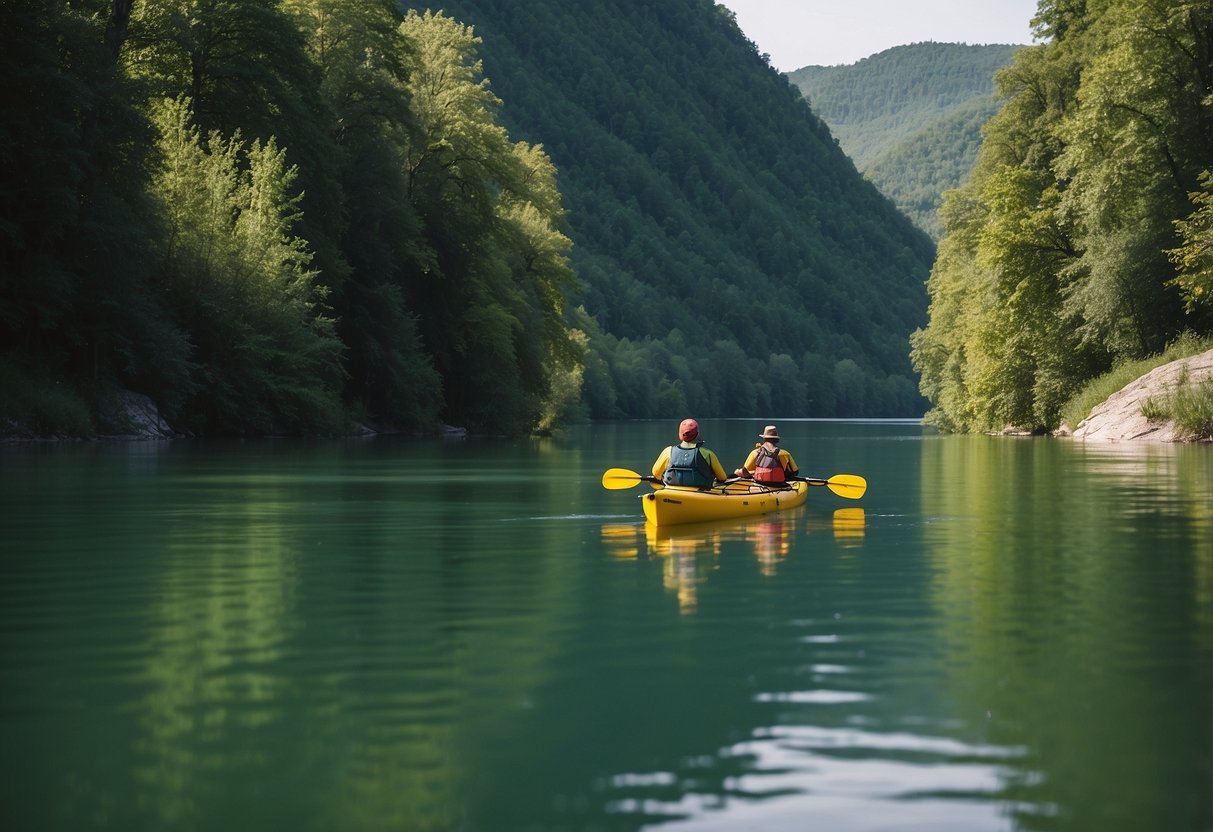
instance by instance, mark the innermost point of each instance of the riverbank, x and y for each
(1123, 416)
(130, 416)
(1130, 414)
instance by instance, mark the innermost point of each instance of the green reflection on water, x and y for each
(1074, 588)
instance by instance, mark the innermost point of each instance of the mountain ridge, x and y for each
(915, 109)
(700, 187)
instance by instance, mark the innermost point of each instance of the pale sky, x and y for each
(797, 33)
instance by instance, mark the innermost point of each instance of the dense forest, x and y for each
(733, 261)
(272, 217)
(910, 117)
(278, 216)
(1084, 236)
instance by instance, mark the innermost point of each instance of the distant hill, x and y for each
(733, 260)
(910, 116)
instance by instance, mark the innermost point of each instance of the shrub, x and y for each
(1190, 406)
(32, 404)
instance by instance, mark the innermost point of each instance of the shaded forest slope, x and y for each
(732, 259)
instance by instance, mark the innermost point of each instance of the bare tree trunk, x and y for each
(115, 30)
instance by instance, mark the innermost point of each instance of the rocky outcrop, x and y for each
(138, 417)
(1119, 418)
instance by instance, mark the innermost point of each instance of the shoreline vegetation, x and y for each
(1165, 398)
(218, 223)
(1172, 402)
(1105, 387)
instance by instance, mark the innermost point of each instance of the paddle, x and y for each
(618, 478)
(851, 486)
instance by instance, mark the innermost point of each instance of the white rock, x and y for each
(1119, 418)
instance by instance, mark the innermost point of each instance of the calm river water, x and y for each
(1003, 634)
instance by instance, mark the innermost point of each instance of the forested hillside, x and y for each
(271, 217)
(275, 216)
(910, 117)
(732, 260)
(1084, 237)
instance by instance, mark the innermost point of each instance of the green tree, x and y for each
(789, 392)
(1055, 259)
(1134, 146)
(245, 66)
(240, 283)
(493, 302)
(361, 54)
(77, 309)
(1195, 257)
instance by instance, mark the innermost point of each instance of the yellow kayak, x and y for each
(672, 504)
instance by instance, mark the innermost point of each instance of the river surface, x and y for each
(386, 633)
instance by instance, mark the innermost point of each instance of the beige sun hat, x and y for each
(769, 432)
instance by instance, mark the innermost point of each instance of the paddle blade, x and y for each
(851, 486)
(616, 479)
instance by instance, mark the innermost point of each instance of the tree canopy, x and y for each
(719, 231)
(910, 117)
(1079, 240)
(276, 215)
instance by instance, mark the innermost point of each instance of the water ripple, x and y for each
(842, 779)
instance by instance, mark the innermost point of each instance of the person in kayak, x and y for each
(688, 462)
(768, 463)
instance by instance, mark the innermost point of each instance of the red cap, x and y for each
(689, 429)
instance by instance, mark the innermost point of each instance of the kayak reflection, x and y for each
(690, 552)
(689, 555)
(849, 524)
(772, 540)
(622, 540)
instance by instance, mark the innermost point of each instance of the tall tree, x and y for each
(241, 285)
(74, 226)
(1140, 135)
(361, 55)
(244, 64)
(492, 307)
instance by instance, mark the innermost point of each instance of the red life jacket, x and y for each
(767, 466)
